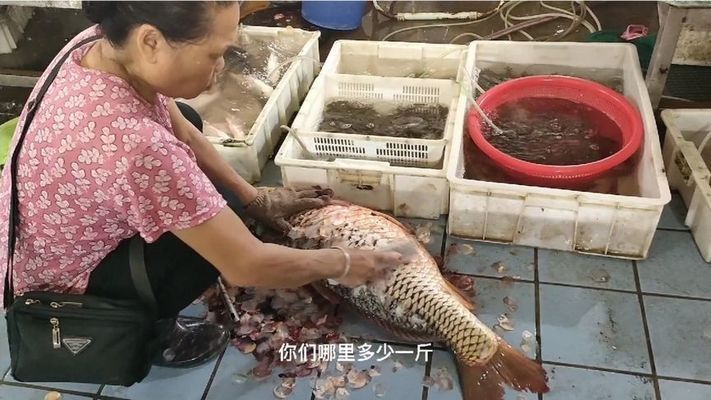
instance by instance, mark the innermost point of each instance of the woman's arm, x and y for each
(209, 160)
(270, 206)
(245, 261)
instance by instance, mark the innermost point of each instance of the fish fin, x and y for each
(327, 293)
(459, 295)
(508, 367)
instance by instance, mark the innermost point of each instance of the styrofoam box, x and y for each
(621, 225)
(376, 90)
(395, 59)
(249, 155)
(687, 156)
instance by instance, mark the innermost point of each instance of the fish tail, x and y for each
(507, 367)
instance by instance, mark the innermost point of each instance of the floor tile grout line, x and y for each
(208, 385)
(671, 296)
(50, 389)
(101, 389)
(685, 380)
(537, 301)
(645, 325)
(571, 285)
(601, 369)
(620, 371)
(675, 296)
(428, 370)
(674, 229)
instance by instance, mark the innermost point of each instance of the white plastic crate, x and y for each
(395, 59)
(687, 156)
(621, 225)
(249, 155)
(405, 191)
(376, 90)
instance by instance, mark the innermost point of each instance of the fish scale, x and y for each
(417, 288)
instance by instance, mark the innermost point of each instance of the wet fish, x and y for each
(415, 302)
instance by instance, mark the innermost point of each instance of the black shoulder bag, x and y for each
(57, 337)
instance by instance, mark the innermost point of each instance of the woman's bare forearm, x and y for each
(273, 266)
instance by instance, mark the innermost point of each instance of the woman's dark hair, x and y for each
(178, 21)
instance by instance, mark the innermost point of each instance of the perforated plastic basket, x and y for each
(369, 90)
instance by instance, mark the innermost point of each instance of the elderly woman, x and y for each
(110, 157)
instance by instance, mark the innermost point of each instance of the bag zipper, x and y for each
(56, 336)
(55, 304)
(121, 315)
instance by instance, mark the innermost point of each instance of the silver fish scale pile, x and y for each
(413, 301)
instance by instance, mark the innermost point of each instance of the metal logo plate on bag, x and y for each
(76, 344)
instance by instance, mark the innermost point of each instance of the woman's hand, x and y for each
(274, 205)
(367, 266)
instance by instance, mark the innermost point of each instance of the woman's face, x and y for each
(185, 70)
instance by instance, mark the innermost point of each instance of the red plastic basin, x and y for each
(624, 114)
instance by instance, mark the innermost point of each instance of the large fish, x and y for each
(415, 302)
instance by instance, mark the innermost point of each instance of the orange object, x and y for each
(247, 8)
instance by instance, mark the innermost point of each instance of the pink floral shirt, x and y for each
(98, 165)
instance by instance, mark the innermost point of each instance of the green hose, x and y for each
(6, 131)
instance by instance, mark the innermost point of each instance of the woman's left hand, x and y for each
(274, 205)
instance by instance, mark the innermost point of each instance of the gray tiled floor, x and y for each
(593, 332)
(493, 260)
(593, 328)
(682, 390)
(574, 269)
(675, 267)
(680, 332)
(577, 383)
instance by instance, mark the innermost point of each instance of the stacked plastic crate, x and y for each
(687, 156)
(618, 223)
(402, 175)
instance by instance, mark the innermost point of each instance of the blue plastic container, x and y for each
(336, 15)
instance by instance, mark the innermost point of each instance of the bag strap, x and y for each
(139, 273)
(138, 270)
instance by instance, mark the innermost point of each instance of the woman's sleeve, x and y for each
(169, 190)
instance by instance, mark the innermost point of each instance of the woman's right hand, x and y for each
(368, 266)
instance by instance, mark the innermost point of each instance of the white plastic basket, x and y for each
(394, 59)
(249, 155)
(621, 225)
(687, 156)
(369, 90)
(405, 191)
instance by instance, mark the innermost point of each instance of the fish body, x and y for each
(415, 301)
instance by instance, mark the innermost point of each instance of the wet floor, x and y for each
(603, 328)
